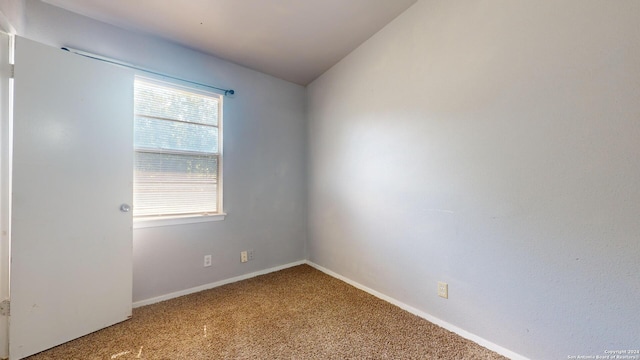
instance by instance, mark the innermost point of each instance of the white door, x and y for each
(71, 245)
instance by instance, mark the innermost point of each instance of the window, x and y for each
(178, 158)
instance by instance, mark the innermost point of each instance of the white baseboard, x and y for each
(214, 284)
(465, 334)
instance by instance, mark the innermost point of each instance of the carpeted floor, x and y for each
(297, 313)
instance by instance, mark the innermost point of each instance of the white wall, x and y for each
(4, 182)
(11, 15)
(492, 145)
(264, 163)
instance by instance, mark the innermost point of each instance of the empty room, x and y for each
(319, 179)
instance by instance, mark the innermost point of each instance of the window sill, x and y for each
(148, 222)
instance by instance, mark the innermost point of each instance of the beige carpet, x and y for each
(297, 313)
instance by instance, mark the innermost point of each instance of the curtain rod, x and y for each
(120, 63)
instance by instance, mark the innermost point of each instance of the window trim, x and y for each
(168, 220)
(141, 222)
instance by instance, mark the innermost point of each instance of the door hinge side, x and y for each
(12, 71)
(5, 308)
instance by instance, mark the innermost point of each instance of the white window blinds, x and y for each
(177, 151)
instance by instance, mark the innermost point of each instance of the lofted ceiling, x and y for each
(295, 40)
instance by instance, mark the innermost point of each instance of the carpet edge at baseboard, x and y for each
(215, 284)
(463, 333)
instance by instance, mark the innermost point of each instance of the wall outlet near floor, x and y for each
(443, 289)
(207, 260)
(243, 257)
(250, 254)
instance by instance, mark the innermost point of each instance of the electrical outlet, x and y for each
(443, 289)
(207, 260)
(250, 254)
(243, 257)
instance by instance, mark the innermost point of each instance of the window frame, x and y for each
(168, 220)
